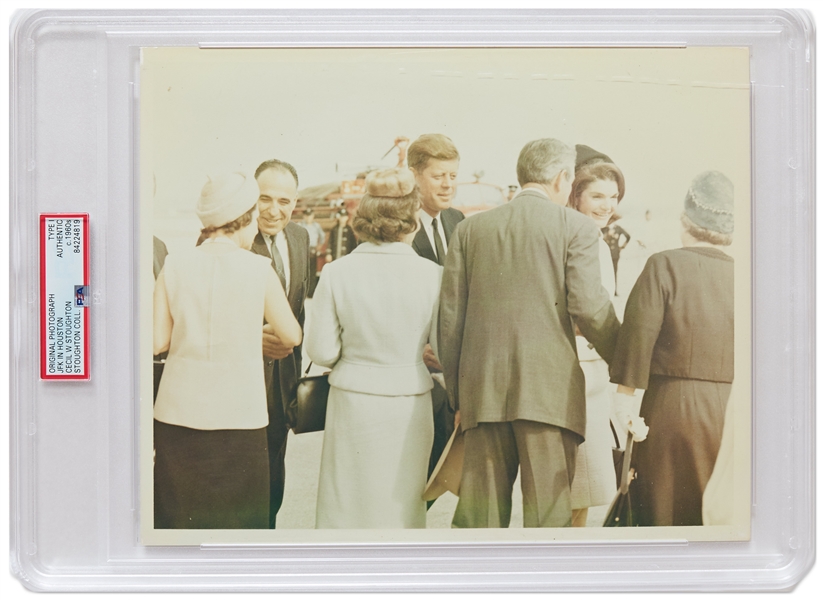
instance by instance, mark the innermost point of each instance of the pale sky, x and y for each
(662, 115)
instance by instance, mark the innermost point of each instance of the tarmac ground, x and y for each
(303, 470)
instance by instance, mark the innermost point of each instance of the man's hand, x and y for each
(456, 419)
(273, 347)
(430, 360)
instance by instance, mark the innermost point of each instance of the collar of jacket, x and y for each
(532, 192)
(388, 248)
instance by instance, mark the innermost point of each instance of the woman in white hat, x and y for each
(597, 189)
(677, 343)
(211, 458)
(372, 314)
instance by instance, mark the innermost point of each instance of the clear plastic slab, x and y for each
(75, 450)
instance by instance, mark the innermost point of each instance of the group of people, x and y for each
(501, 324)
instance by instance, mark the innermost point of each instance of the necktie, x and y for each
(438, 243)
(277, 262)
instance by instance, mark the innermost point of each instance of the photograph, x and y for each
(444, 294)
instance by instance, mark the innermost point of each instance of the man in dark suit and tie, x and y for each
(287, 245)
(517, 280)
(434, 160)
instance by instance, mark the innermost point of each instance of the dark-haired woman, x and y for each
(597, 189)
(677, 343)
(211, 458)
(371, 316)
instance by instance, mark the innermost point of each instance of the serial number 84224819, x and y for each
(75, 234)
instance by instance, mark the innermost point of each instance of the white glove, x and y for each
(626, 412)
(638, 428)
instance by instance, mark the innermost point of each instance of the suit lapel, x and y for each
(450, 221)
(422, 245)
(260, 247)
(297, 263)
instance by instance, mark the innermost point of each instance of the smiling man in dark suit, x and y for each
(287, 245)
(434, 160)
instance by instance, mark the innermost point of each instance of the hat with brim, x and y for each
(449, 469)
(225, 198)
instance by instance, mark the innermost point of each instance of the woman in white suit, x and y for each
(373, 312)
(597, 189)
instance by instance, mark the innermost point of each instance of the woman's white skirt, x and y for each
(375, 458)
(594, 479)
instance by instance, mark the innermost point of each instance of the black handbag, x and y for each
(307, 408)
(620, 510)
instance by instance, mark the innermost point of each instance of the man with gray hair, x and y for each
(517, 280)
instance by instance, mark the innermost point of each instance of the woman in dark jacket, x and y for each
(677, 343)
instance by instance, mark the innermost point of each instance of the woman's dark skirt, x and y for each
(673, 465)
(210, 479)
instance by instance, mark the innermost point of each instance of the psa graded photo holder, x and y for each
(412, 300)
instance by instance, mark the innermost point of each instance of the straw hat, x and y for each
(224, 198)
(446, 475)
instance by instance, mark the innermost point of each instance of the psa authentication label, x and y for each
(64, 296)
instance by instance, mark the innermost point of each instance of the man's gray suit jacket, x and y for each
(516, 279)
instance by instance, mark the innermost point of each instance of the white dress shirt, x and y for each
(426, 223)
(283, 247)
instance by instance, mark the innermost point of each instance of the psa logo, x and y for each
(80, 293)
